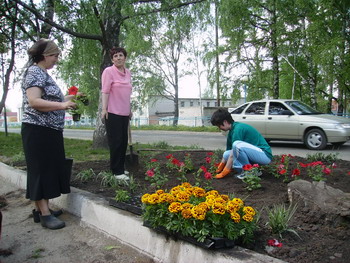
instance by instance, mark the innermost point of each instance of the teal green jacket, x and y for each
(244, 132)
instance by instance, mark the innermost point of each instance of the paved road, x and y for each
(205, 140)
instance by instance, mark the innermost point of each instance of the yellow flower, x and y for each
(218, 208)
(169, 198)
(198, 192)
(159, 192)
(187, 206)
(199, 212)
(174, 207)
(175, 189)
(153, 199)
(182, 196)
(163, 198)
(235, 217)
(248, 218)
(225, 197)
(186, 213)
(186, 185)
(219, 200)
(144, 198)
(249, 210)
(238, 201)
(232, 207)
(210, 200)
(213, 192)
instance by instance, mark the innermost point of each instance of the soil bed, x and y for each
(320, 240)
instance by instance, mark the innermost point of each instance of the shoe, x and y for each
(36, 214)
(122, 177)
(51, 222)
(241, 175)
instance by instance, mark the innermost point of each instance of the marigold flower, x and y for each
(235, 217)
(182, 196)
(186, 185)
(248, 218)
(174, 207)
(238, 201)
(186, 206)
(219, 208)
(198, 212)
(232, 207)
(249, 210)
(144, 198)
(225, 197)
(198, 192)
(163, 198)
(213, 192)
(186, 213)
(159, 192)
(169, 198)
(153, 199)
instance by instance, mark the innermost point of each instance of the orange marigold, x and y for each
(235, 217)
(144, 198)
(249, 210)
(248, 218)
(153, 199)
(198, 192)
(186, 213)
(174, 207)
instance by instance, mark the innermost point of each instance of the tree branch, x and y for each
(36, 13)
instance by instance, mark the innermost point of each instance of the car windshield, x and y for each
(301, 108)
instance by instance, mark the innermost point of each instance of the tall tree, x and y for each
(111, 16)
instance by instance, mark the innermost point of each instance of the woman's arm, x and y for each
(34, 95)
(105, 97)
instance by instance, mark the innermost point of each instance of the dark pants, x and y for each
(117, 135)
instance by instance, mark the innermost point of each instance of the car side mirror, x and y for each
(286, 112)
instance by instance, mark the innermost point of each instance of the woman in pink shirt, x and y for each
(116, 109)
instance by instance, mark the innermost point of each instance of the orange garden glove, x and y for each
(225, 172)
(221, 166)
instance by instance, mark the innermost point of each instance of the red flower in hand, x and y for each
(73, 90)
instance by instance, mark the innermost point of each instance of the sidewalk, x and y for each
(88, 218)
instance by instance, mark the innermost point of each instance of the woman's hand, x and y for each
(69, 105)
(104, 115)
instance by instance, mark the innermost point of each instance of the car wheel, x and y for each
(315, 139)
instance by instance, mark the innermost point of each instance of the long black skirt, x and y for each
(44, 152)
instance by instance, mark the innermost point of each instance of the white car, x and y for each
(278, 119)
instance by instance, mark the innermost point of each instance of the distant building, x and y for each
(11, 117)
(160, 111)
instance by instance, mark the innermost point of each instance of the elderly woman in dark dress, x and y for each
(42, 133)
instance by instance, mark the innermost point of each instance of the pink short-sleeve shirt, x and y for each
(118, 85)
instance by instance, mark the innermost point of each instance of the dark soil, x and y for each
(320, 240)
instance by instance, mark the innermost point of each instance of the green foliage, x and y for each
(253, 182)
(320, 156)
(122, 195)
(86, 175)
(279, 217)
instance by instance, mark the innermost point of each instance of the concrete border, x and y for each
(95, 212)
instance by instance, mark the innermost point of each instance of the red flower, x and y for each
(247, 167)
(208, 175)
(303, 165)
(170, 156)
(175, 161)
(207, 159)
(326, 170)
(150, 172)
(73, 90)
(154, 160)
(282, 171)
(296, 172)
(274, 243)
(256, 165)
(204, 169)
(334, 165)
(210, 153)
(348, 173)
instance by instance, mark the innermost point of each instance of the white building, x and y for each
(160, 111)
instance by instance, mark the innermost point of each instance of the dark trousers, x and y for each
(117, 135)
